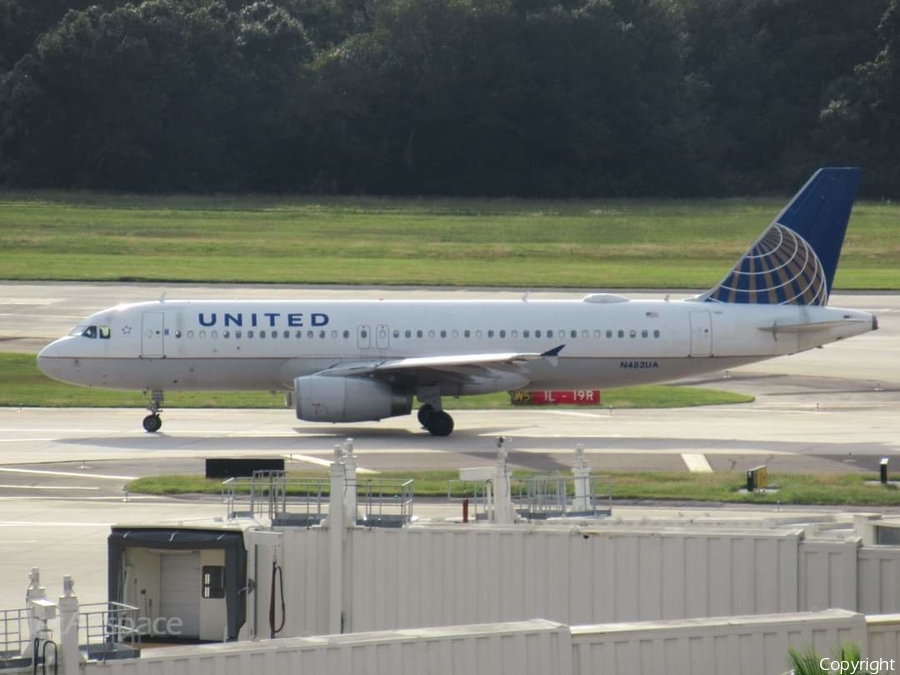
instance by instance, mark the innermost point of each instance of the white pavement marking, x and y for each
(321, 462)
(46, 487)
(67, 473)
(696, 463)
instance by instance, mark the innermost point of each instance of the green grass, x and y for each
(367, 240)
(811, 489)
(22, 384)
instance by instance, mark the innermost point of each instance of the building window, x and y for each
(213, 581)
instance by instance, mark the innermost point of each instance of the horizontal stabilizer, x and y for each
(809, 327)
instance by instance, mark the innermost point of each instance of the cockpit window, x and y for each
(103, 332)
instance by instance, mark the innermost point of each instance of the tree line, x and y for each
(458, 97)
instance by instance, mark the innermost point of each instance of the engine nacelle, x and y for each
(321, 398)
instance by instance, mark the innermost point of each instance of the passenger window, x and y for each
(621, 333)
(178, 334)
(334, 335)
(190, 335)
(202, 334)
(408, 333)
(249, 333)
(644, 333)
(274, 334)
(396, 334)
(524, 333)
(262, 333)
(632, 333)
(467, 333)
(104, 332)
(226, 334)
(656, 333)
(286, 334)
(237, 335)
(585, 334)
(478, 333)
(514, 334)
(298, 334)
(609, 333)
(431, 333)
(573, 334)
(322, 334)
(311, 334)
(214, 334)
(418, 333)
(490, 334)
(598, 334)
(455, 334)
(503, 333)
(346, 334)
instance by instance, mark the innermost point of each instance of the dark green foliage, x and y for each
(468, 97)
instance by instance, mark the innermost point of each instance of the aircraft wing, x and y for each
(422, 369)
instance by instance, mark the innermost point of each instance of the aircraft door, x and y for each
(701, 334)
(152, 335)
(364, 337)
(383, 337)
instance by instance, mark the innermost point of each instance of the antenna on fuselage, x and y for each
(162, 298)
(525, 297)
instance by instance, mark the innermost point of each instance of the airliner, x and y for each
(366, 360)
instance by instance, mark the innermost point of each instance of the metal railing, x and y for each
(14, 633)
(542, 497)
(304, 501)
(109, 630)
(385, 502)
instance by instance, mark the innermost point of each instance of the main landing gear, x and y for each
(437, 422)
(152, 422)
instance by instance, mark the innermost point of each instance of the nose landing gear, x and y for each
(152, 422)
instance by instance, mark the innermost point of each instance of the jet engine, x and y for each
(323, 398)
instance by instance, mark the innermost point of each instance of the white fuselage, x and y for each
(608, 341)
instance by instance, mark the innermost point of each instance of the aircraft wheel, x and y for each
(439, 423)
(423, 414)
(152, 423)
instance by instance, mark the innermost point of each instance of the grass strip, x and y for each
(809, 489)
(23, 385)
(389, 241)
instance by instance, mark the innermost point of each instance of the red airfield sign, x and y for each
(556, 397)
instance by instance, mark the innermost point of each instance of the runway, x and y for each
(829, 409)
(62, 471)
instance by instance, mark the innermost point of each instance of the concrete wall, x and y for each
(756, 645)
(453, 575)
(532, 647)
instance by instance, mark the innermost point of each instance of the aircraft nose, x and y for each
(49, 360)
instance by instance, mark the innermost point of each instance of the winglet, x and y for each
(794, 261)
(553, 352)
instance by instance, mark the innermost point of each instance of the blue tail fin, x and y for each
(794, 261)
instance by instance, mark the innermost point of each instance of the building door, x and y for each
(701, 334)
(180, 591)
